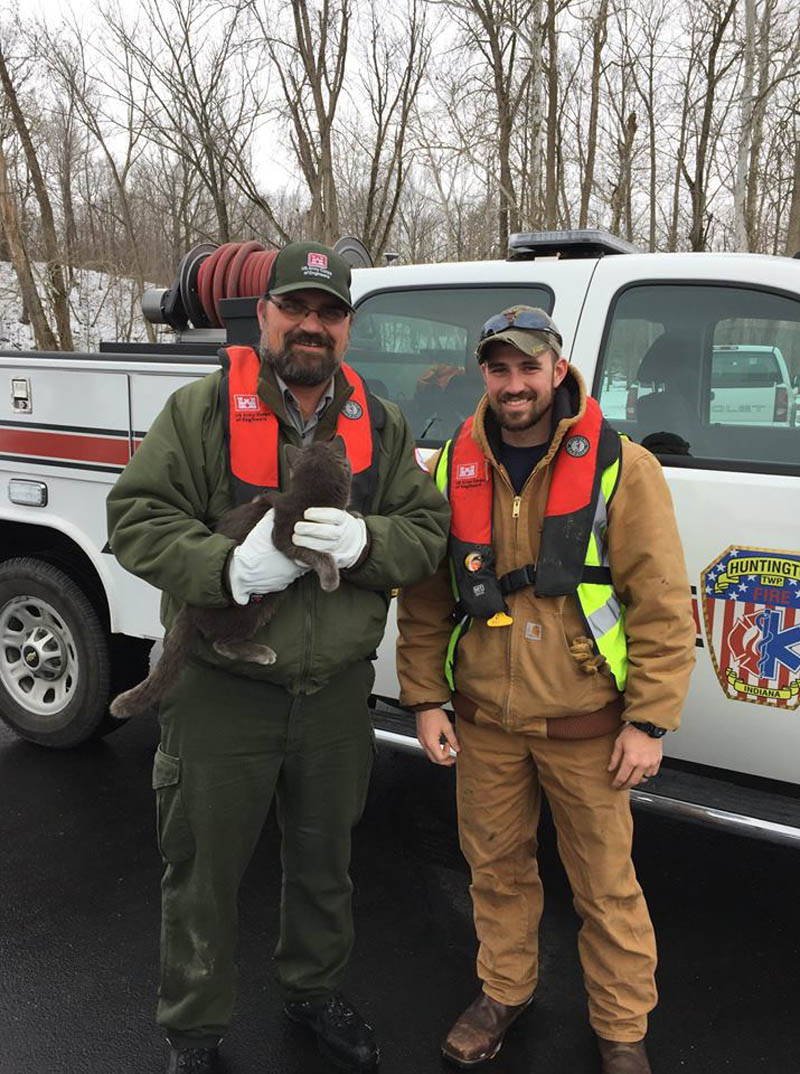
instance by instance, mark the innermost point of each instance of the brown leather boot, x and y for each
(478, 1033)
(623, 1058)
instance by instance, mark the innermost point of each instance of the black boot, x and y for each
(194, 1061)
(342, 1034)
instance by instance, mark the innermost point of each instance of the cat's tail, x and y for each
(145, 696)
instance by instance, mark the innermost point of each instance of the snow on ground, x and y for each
(103, 307)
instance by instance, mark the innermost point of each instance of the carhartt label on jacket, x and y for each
(533, 631)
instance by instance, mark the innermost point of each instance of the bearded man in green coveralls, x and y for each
(235, 734)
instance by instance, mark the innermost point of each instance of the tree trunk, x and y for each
(793, 231)
(536, 119)
(599, 35)
(32, 304)
(551, 164)
(740, 229)
(55, 272)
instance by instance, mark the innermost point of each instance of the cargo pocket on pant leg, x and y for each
(175, 838)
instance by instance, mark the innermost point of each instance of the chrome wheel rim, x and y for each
(38, 656)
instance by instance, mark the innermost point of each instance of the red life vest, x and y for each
(252, 428)
(586, 449)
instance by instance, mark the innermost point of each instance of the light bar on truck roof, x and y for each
(585, 242)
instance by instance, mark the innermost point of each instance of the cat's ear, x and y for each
(339, 447)
(292, 454)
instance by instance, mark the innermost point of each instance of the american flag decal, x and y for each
(751, 607)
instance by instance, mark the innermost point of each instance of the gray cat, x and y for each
(319, 477)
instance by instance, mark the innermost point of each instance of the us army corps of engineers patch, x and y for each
(751, 607)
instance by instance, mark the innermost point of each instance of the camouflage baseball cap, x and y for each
(303, 265)
(527, 328)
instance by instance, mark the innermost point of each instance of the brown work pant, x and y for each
(500, 777)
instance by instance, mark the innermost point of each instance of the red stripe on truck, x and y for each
(68, 446)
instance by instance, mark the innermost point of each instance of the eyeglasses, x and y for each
(538, 321)
(298, 311)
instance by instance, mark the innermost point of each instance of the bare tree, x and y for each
(599, 33)
(187, 76)
(374, 162)
(643, 58)
(43, 334)
(66, 58)
(708, 36)
(310, 58)
(54, 268)
(793, 227)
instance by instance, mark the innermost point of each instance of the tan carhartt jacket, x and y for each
(543, 667)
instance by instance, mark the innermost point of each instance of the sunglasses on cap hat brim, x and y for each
(524, 319)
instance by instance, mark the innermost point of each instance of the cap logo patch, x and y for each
(317, 261)
(352, 409)
(577, 446)
(246, 404)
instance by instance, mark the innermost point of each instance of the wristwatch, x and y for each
(649, 729)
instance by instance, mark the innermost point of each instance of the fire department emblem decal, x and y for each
(751, 607)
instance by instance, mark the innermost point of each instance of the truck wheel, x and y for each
(54, 656)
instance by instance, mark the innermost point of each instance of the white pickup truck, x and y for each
(75, 628)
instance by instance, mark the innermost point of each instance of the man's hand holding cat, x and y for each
(327, 529)
(257, 567)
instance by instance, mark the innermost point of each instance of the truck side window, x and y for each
(416, 348)
(686, 369)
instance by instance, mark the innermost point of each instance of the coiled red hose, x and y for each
(233, 270)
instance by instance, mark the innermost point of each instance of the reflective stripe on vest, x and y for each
(253, 427)
(599, 604)
(464, 475)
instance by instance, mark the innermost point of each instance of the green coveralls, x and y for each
(235, 733)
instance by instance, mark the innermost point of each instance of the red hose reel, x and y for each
(209, 273)
(233, 270)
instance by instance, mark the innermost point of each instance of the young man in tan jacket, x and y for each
(562, 631)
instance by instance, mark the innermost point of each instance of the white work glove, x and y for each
(327, 529)
(257, 567)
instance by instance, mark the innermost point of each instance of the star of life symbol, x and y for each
(751, 606)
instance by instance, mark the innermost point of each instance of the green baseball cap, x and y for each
(310, 265)
(528, 328)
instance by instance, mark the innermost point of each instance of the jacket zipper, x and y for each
(516, 504)
(308, 625)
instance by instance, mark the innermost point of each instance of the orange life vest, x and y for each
(252, 430)
(588, 447)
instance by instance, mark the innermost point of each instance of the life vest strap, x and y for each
(522, 576)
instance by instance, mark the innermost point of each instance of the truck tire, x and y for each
(55, 666)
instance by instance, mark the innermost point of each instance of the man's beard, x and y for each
(303, 370)
(522, 420)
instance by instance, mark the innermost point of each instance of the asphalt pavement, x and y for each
(79, 910)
